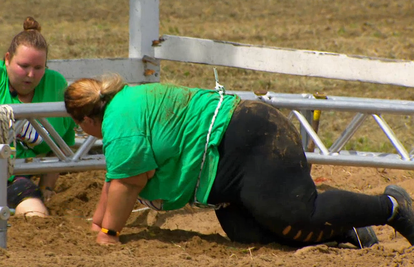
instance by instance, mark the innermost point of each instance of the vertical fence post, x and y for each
(143, 30)
(5, 152)
(143, 27)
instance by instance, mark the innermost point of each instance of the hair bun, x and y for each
(31, 24)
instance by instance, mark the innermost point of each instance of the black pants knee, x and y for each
(264, 174)
(21, 188)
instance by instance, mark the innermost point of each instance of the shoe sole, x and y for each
(365, 237)
(407, 198)
(399, 190)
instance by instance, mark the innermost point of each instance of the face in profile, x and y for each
(26, 68)
(90, 126)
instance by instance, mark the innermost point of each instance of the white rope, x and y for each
(207, 142)
(7, 123)
(221, 91)
(357, 235)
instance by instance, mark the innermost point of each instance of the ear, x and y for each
(88, 120)
(7, 59)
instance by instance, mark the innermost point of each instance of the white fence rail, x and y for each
(286, 61)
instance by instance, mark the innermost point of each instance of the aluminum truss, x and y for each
(301, 106)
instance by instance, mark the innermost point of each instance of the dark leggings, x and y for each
(264, 175)
(21, 188)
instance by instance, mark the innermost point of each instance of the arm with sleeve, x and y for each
(50, 89)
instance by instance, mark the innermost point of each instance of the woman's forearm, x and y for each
(47, 184)
(48, 180)
(100, 208)
(121, 198)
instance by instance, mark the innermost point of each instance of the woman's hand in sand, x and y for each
(105, 239)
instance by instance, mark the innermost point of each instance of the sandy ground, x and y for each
(99, 29)
(189, 238)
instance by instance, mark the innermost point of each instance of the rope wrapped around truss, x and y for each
(7, 123)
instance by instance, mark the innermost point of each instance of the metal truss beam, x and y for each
(301, 106)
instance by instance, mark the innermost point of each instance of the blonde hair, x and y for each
(89, 97)
(30, 36)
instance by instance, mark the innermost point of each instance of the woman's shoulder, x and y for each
(167, 88)
(3, 76)
(3, 71)
(54, 76)
(51, 88)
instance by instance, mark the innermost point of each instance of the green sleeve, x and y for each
(128, 156)
(69, 136)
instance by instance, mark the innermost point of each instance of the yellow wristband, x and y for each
(110, 232)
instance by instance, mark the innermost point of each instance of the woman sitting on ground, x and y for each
(24, 78)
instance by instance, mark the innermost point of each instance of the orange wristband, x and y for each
(110, 232)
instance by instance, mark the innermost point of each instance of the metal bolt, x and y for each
(5, 151)
(4, 213)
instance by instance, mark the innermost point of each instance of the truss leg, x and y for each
(308, 114)
(391, 136)
(348, 133)
(4, 210)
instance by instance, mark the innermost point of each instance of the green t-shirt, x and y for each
(50, 89)
(164, 127)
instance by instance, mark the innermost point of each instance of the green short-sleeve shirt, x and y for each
(164, 127)
(50, 89)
